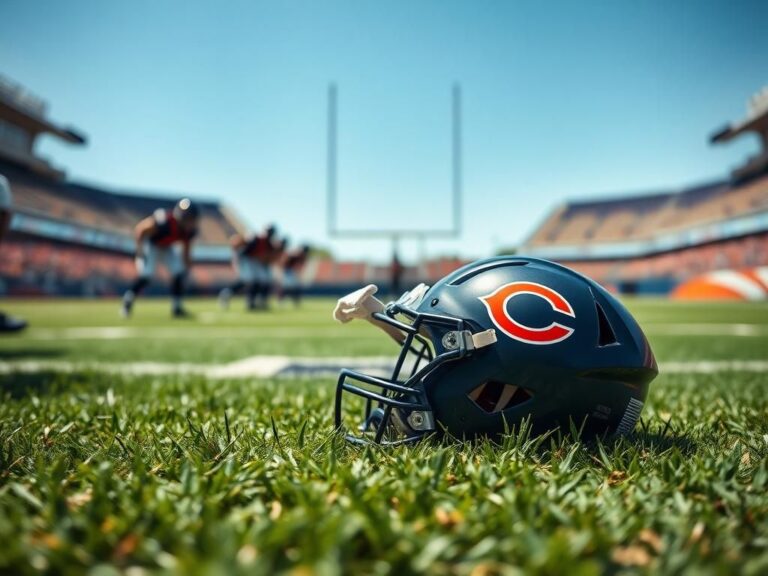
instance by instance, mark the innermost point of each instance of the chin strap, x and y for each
(358, 304)
(363, 304)
(484, 338)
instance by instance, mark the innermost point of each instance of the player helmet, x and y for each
(496, 342)
(270, 230)
(186, 210)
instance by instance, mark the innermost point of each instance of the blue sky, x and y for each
(227, 99)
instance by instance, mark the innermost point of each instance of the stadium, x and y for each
(592, 398)
(652, 243)
(73, 239)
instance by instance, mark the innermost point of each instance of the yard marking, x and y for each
(705, 329)
(192, 332)
(289, 332)
(713, 366)
(304, 367)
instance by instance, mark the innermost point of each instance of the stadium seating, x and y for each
(32, 264)
(639, 217)
(39, 267)
(659, 240)
(682, 264)
(93, 208)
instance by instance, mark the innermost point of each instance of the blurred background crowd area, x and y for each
(73, 239)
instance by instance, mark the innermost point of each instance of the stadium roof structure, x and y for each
(22, 120)
(756, 122)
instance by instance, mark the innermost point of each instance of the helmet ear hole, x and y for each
(494, 396)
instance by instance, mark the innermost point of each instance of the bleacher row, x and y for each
(329, 272)
(680, 265)
(32, 264)
(108, 211)
(641, 217)
(35, 267)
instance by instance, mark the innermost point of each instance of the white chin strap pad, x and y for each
(484, 338)
(362, 304)
(359, 304)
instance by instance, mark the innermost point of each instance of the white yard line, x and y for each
(325, 331)
(704, 329)
(713, 366)
(287, 367)
(193, 333)
(252, 367)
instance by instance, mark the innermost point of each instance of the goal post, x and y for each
(332, 182)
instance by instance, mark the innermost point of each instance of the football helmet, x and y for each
(494, 343)
(186, 210)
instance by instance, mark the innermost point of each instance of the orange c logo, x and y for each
(496, 303)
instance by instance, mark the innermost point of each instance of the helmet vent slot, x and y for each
(494, 396)
(480, 269)
(605, 334)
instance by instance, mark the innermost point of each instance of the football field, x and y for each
(205, 445)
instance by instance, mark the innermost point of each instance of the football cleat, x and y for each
(126, 308)
(496, 343)
(180, 312)
(11, 324)
(225, 295)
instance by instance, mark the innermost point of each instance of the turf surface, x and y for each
(74, 330)
(178, 474)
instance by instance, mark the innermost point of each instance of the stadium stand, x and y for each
(69, 238)
(72, 238)
(76, 239)
(652, 242)
(96, 209)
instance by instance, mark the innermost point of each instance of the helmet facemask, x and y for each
(396, 409)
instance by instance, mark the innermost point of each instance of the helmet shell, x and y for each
(596, 376)
(186, 210)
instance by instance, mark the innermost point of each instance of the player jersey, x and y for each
(167, 229)
(295, 261)
(257, 246)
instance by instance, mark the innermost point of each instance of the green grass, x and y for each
(70, 330)
(179, 474)
(73, 330)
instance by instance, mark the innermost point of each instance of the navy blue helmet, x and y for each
(497, 342)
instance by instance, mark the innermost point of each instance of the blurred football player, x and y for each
(166, 238)
(252, 259)
(293, 262)
(7, 323)
(274, 258)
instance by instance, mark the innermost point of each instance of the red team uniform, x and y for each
(164, 238)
